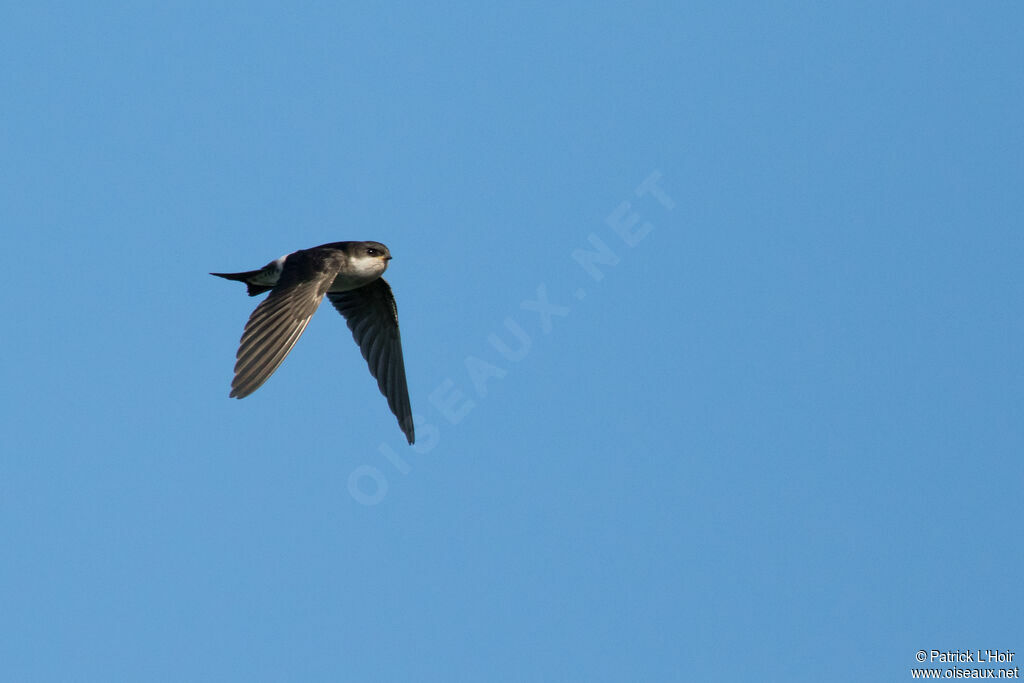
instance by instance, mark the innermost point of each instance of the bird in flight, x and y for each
(349, 273)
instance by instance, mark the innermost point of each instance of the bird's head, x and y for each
(368, 258)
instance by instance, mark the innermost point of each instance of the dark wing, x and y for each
(279, 321)
(372, 316)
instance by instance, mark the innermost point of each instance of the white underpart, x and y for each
(361, 270)
(270, 273)
(369, 266)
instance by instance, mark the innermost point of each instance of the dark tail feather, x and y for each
(244, 277)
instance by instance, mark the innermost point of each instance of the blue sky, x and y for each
(775, 435)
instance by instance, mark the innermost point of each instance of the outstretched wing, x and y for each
(279, 321)
(372, 316)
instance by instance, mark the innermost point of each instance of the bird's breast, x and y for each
(344, 282)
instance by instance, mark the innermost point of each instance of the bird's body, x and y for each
(349, 274)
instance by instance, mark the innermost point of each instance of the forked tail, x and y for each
(246, 277)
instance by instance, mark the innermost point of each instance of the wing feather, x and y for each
(372, 316)
(278, 322)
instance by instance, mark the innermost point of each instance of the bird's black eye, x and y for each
(371, 252)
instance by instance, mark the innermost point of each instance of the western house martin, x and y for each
(349, 273)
